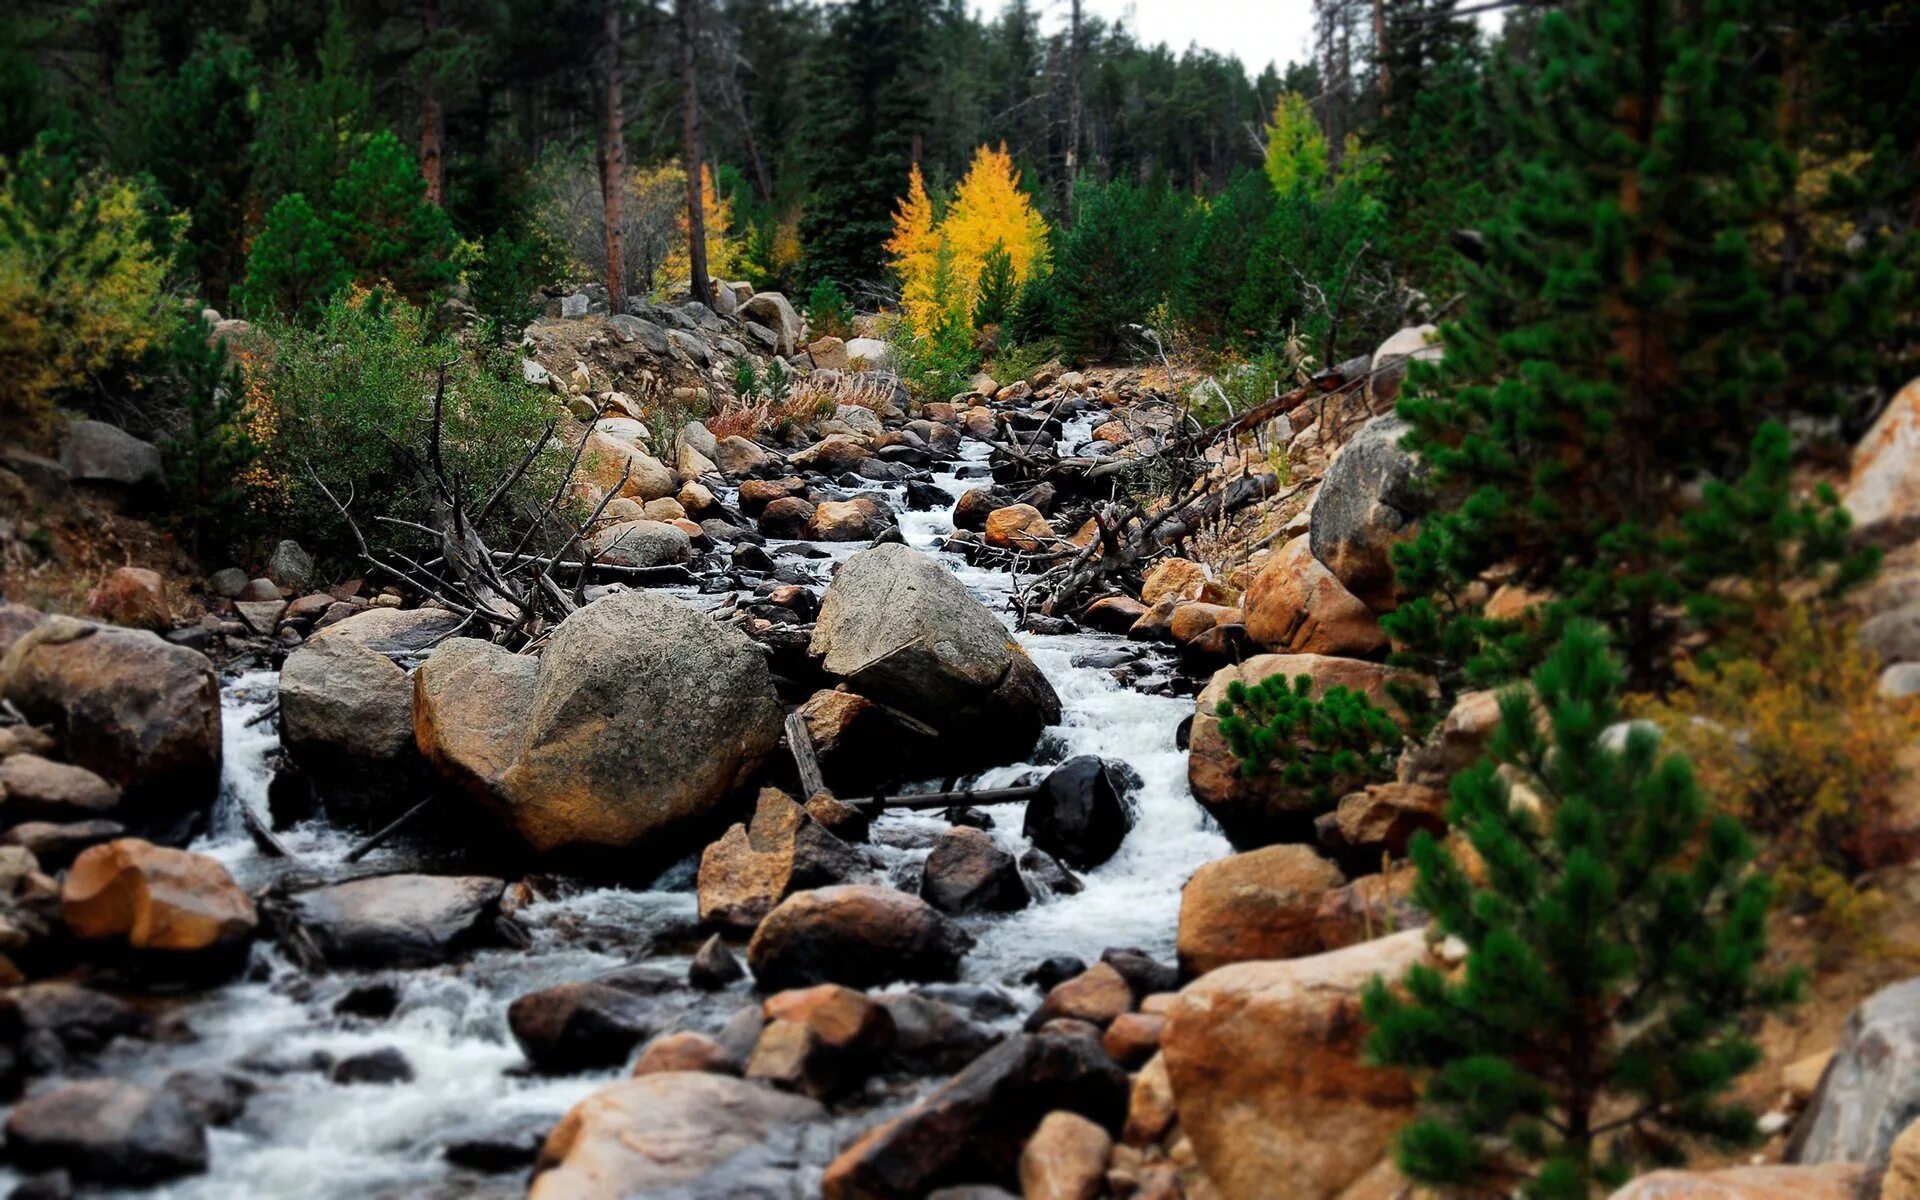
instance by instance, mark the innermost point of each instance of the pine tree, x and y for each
(214, 450)
(1220, 257)
(1620, 343)
(386, 229)
(311, 127)
(1613, 955)
(1112, 267)
(998, 289)
(1297, 153)
(294, 268)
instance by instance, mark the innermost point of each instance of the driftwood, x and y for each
(926, 800)
(381, 836)
(805, 762)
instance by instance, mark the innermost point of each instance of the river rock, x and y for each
(1175, 578)
(644, 716)
(1385, 817)
(1065, 1159)
(977, 504)
(56, 844)
(395, 632)
(1267, 1074)
(772, 310)
(1259, 811)
(1883, 491)
(643, 543)
(859, 743)
(1253, 906)
(167, 906)
(897, 626)
(134, 597)
(860, 519)
(974, 1127)
(1297, 606)
(290, 565)
(663, 1134)
(140, 712)
(346, 712)
(399, 920)
(739, 458)
(1080, 815)
(968, 872)
(39, 789)
(1833, 1181)
(1871, 1089)
(608, 459)
(580, 1026)
(1097, 996)
(1368, 501)
(754, 867)
(931, 1036)
(52, 1024)
(1133, 1038)
(1018, 527)
(714, 967)
(471, 701)
(107, 1131)
(685, 1051)
(787, 519)
(860, 935)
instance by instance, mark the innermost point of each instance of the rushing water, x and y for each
(306, 1138)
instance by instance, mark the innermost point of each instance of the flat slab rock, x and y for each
(398, 920)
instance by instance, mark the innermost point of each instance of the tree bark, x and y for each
(613, 155)
(693, 153)
(433, 122)
(1073, 112)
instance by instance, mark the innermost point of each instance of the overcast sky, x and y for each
(1256, 32)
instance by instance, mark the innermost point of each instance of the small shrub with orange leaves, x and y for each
(1797, 741)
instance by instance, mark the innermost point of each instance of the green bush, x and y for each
(999, 289)
(503, 286)
(295, 267)
(828, 311)
(387, 230)
(213, 455)
(937, 365)
(1325, 747)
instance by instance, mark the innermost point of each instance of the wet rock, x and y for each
(1145, 974)
(173, 909)
(125, 704)
(1096, 996)
(1051, 972)
(857, 520)
(839, 818)
(211, 1097)
(820, 1041)
(897, 626)
(1253, 906)
(860, 935)
(753, 867)
(52, 1024)
(644, 716)
(1265, 809)
(968, 872)
(1268, 1078)
(642, 543)
(931, 1036)
(686, 1051)
(39, 789)
(1080, 815)
(788, 518)
(976, 504)
(974, 1127)
(1065, 1159)
(399, 920)
(395, 632)
(1018, 527)
(1295, 605)
(925, 497)
(384, 1066)
(1871, 1090)
(580, 1026)
(374, 1001)
(665, 1133)
(714, 967)
(1367, 502)
(1046, 876)
(134, 597)
(859, 743)
(107, 1131)
(346, 716)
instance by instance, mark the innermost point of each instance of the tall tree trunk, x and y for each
(693, 153)
(613, 155)
(1380, 47)
(433, 122)
(1073, 111)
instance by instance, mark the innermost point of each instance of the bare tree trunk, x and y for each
(1073, 111)
(433, 122)
(613, 155)
(693, 154)
(1380, 46)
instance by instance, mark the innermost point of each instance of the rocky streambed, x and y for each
(399, 1080)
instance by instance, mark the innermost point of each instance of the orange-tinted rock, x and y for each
(1253, 906)
(1114, 433)
(1180, 578)
(1066, 1159)
(157, 899)
(1018, 527)
(843, 1019)
(685, 1051)
(1196, 617)
(1297, 606)
(860, 935)
(1150, 1111)
(1097, 996)
(1133, 1038)
(753, 867)
(1369, 907)
(1883, 491)
(1114, 614)
(1387, 815)
(132, 596)
(1829, 1181)
(857, 520)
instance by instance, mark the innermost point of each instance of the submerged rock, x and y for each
(107, 1131)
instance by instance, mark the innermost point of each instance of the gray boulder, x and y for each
(97, 452)
(107, 1131)
(641, 544)
(346, 717)
(874, 353)
(1368, 501)
(770, 309)
(399, 920)
(395, 632)
(631, 329)
(290, 566)
(1893, 635)
(1871, 1089)
(899, 628)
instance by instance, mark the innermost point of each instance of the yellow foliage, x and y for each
(1797, 741)
(939, 264)
(79, 299)
(717, 216)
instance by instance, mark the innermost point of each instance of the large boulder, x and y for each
(1883, 491)
(640, 544)
(1295, 605)
(1253, 906)
(173, 909)
(1265, 809)
(860, 935)
(1871, 1089)
(1368, 501)
(897, 626)
(623, 469)
(1834, 1181)
(107, 1131)
(1268, 1077)
(138, 711)
(969, 872)
(772, 310)
(973, 1128)
(667, 1133)
(132, 596)
(471, 700)
(395, 632)
(346, 715)
(39, 789)
(399, 920)
(1080, 815)
(1415, 343)
(753, 867)
(96, 452)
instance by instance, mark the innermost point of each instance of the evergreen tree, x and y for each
(294, 268)
(311, 126)
(997, 291)
(1226, 240)
(211, 454)
(1620, 343)
(1613, 955)
(384, 226)
(1112, 267)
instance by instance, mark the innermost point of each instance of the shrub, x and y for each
(1613, 956)
(1326, 747)
(504, 284)
(295, 267)
(828, 310)
(936, 365)
(1113, 266)
(211, 457)
(1796, 741)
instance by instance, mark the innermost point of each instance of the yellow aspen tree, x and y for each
(717, 216)
(912, 252)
